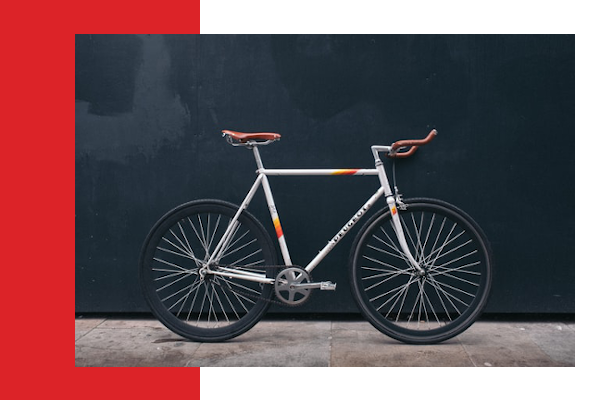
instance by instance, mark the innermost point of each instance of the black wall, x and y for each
(149, 110)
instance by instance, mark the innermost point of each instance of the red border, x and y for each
(38, 171)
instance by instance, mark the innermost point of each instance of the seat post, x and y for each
(259, 163)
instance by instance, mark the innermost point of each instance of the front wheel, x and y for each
(426, 306)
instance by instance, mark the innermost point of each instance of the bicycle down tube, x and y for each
(262, 179)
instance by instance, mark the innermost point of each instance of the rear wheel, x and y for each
(429, 306)
(173, 271)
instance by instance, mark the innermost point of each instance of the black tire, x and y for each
(421, 308)
(206, 308)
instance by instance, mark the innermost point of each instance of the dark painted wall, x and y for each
(149, 110)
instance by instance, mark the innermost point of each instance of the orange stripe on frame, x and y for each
(345, 172)
(277, 226)
(394, 210)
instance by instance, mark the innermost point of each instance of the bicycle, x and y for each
(420, 269)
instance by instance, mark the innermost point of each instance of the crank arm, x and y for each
(314, 285)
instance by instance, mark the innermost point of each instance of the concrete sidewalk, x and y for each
(136, 342)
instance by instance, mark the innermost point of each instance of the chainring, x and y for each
(284, 286)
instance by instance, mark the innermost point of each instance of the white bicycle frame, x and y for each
(262, 179)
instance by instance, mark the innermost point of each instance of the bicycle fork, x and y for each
(390, 199)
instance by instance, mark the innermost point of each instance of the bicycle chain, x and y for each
(279, 268)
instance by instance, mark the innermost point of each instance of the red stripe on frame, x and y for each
(278, 229)
(345, 171)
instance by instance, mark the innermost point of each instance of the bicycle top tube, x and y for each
(315, 172)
